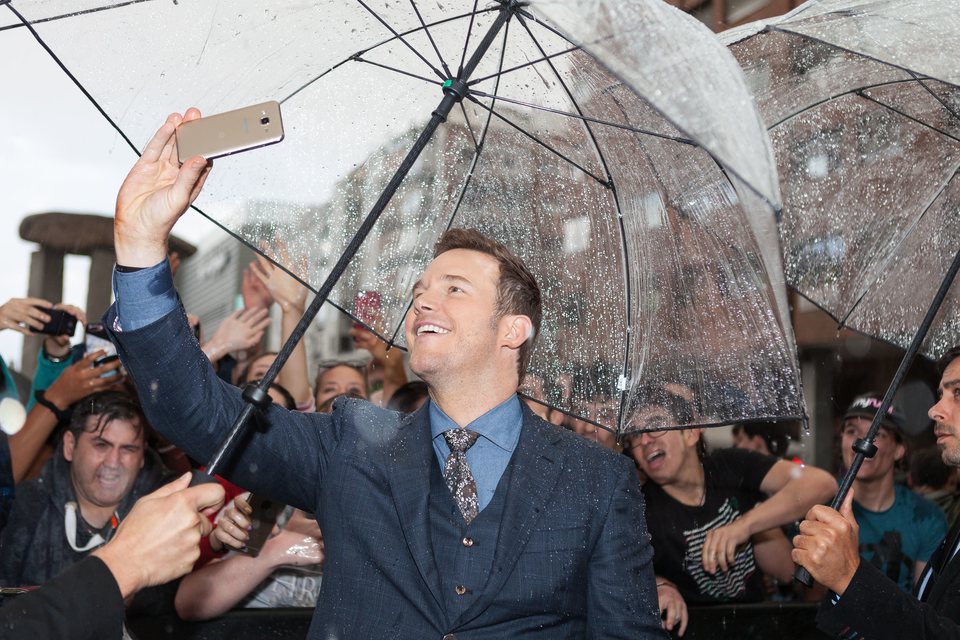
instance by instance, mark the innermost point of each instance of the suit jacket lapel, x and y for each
(410, 486)
(536, 463)
(944, 578)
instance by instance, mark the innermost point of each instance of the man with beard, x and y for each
(82, 495)
(863, 602)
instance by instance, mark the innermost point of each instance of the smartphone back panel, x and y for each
(231, 132)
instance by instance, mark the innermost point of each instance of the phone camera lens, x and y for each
(265, 120)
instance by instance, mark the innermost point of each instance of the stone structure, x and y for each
(59, 234)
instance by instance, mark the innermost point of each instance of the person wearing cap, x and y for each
(899, 530)
(862, 602)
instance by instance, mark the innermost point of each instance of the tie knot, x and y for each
(459, 440)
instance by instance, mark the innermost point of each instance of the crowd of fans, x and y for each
(721, 521)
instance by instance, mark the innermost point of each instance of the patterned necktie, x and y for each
(457, 472)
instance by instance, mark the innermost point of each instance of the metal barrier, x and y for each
(740, 622)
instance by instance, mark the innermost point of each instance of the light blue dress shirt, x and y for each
(499, 431)
(143, 296)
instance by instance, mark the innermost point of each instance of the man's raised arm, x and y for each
(155, 194)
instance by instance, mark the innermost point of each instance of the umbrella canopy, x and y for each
(862, 100)
(612, 145)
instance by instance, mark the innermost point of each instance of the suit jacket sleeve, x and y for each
(283, 455)
(621, 588)
(82, 602)
(874, 607)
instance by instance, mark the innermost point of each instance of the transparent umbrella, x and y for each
(862, 100)
(613, 145)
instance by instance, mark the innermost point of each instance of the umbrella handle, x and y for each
(803, 576)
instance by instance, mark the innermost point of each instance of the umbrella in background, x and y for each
(639, 188)
(862, 100)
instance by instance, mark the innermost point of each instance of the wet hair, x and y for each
(952, 354)
(107, 406)
(244, 376)
(678, 407)
(406, 397)
(928, 469)
(774, 434)
(288, 401)
(517, 289)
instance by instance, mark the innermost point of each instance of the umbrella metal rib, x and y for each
(357, 58)
(426, 30)
(628, 289)
(907, 116)
(540, 142)
(892, 254)
(256, 395)
(864, 447)
(585, 118)
(73, 14)
(397, 35)
(946, 106)
(529, 63)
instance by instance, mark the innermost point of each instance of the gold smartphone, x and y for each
(232, 132)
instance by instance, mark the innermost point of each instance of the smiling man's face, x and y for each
(452, 326)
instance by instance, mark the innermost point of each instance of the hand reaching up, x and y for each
(156, 192)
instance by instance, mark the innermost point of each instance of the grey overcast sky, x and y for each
(58, 155)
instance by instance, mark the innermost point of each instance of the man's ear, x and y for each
(69, 442)
(519, 329)
(691, 436)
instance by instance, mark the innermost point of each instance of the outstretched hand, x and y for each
(156, 192)
(24, 315)
(159, 539)
(828, 545)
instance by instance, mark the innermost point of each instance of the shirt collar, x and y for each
(501, 425)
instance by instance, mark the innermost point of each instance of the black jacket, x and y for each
(82, 602)
(874, 607)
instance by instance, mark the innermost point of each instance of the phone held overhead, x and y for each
(231, 132)
(61, 323)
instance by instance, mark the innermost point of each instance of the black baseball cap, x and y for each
(866, 406)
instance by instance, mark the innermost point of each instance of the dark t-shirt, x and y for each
(733, 478)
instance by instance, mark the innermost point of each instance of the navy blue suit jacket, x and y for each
(573, 559)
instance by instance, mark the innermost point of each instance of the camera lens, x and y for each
(264, 120)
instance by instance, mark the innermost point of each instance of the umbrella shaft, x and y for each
(899, 376)
(864, 448)
(454, 92)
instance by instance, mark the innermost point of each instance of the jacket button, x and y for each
(468, 542)
(460, 589)
(449, 636)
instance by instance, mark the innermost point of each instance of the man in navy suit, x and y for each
(863, 602)
(543, 537)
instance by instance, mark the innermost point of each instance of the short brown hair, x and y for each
(952, 354)
(517, 289)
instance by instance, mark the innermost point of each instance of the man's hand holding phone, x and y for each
(157, 191)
